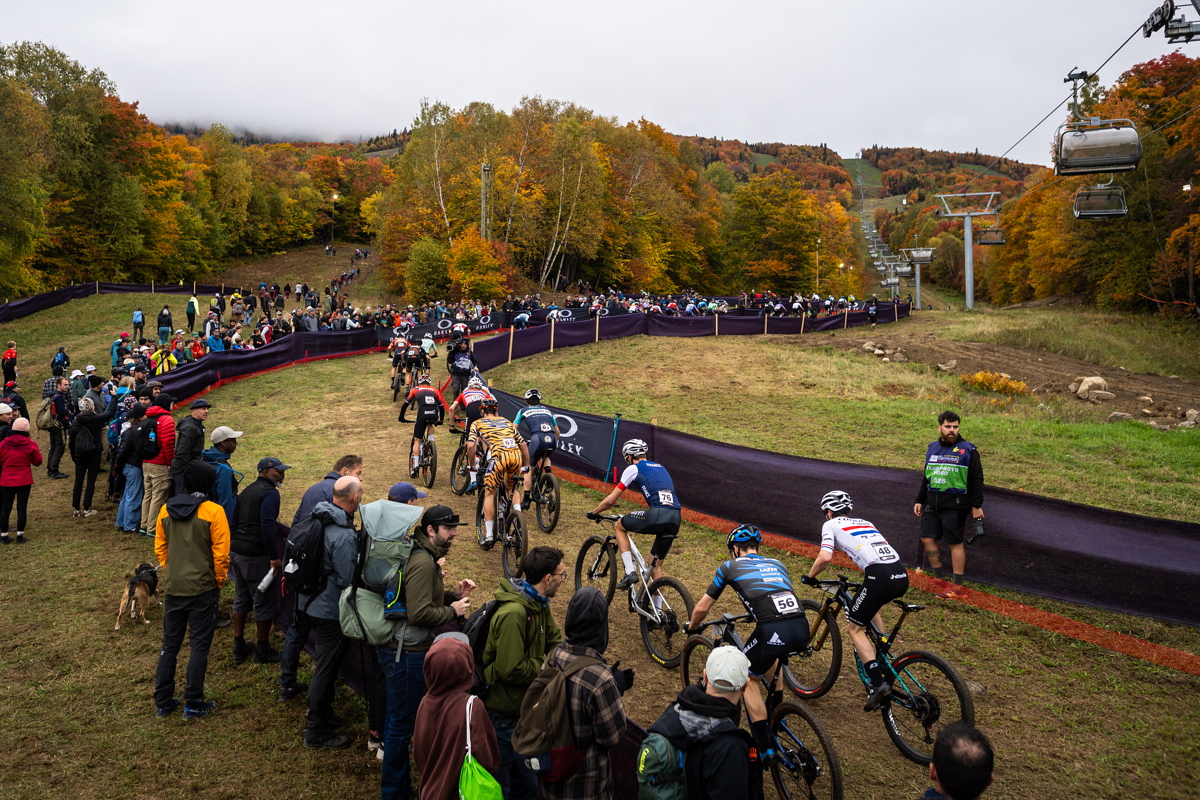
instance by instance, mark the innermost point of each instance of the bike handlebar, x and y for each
(598, 518)
(723, 619)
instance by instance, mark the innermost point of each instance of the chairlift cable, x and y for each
(1172, 122)
(1056, 108)
(1037, 188)
(1189, 82)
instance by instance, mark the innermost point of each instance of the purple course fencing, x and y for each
(40, 302)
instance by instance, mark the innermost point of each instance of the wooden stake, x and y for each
(152, 286)
(846, 321)
(510, 343)
(765, 318)
(552, 335)
(716, 324)
(597, 327)
(803, 317)
(97, 287)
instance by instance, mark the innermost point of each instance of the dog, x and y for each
(140, 586)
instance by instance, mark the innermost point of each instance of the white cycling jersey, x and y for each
(858, 539)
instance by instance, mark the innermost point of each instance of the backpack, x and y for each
(304, 569)
(476, 629)
(544, 729)
(85, 442)
(660, 774)
(145, 439)
(377, 613)
(45, 415)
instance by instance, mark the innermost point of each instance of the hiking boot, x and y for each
(264, 654)
(286, 693)
(59, 476)
(75, 513)
(198, 710)
(627, 581)
(165, 711)
(5, 540)
(242, 652)
(331, 741)
(21, 538)
(878, 696)
(87, 512)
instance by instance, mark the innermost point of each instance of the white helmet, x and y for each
(475, 383)
(427, 335)
(635, 448)
(836, 501)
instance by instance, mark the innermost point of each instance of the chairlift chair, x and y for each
(990, 236)
(921, 255)
(1095, 145)
(904, 270)
(1100, 202)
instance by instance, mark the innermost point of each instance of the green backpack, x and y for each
(371, 608)
(660, 773)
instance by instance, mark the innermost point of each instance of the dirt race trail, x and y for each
(1042, 371)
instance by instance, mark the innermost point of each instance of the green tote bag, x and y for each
(475, 782)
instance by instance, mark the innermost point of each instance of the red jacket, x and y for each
(166, 436)
(18, 453)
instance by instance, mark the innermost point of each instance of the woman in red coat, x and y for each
(18, 455)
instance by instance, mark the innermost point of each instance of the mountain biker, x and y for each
(507, 454)
(430, 347)
(543, 434)
(468, 401)
(431, 408)
(397, 348)
(885, 580)
(415, 359)
(660, 519)
(461, 364)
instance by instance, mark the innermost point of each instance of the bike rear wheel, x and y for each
(808, 764)
(514, 545)
(813, 672)
(596, 566)
(927, 695)
(460, 478)
(692, 659)
(664, 638)
(479, 526)
(547, 501)
(428, 462)
(395, 388)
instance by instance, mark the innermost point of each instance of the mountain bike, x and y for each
(508, 530)
(927, 691)
(662, 624)
(428, 459)
(545, 496)
(806, 763)
(397, 385)
(460, 477)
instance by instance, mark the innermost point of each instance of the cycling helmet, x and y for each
(533, 396)
(837, 501)
(427, 335)
(489, 402)
(423, 380)
(744, 534)
(635, 448)
(475, 383)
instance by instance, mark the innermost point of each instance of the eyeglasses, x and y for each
(562, 576)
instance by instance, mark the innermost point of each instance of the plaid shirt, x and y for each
(597, 722)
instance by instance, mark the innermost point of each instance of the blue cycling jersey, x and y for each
(653, 481)
(538, 419)
(762, 584)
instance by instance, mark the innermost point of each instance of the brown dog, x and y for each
(140, 586)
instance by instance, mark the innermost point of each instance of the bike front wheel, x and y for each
(460, 479)
(807, 765)
(816, 668)
(927, 695)
(596, 566)
(428, 462)
(546, 492)
(395, 388)
(514, 545)
(692, 659)
(663, 636)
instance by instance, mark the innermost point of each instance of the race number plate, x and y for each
(785, 603)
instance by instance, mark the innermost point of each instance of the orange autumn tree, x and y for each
(479, 270)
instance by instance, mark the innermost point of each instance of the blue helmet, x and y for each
(744, 534)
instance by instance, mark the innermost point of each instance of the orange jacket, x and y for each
(197, 544)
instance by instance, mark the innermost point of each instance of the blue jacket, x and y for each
(321, 492)
(215, 344)
(225, 487)
(341, 556)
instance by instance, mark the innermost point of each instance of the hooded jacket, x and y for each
(192, 544)
(165, 428)
(225, 486)
(18, 455)
(341, 556)
(440, 733)
(95, 424)
(425, 596)
(718, 752)
(594, 702)
(511, 659)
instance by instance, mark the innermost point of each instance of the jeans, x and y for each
(57, 448)
(10, 495)
(405, 688)
(331, 649)
(517, 781)
(156, 479)
(88, 466)
(129, 511)
(289, 660)
(197, 615)
(163, 335)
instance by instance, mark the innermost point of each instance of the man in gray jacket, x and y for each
(341, 550)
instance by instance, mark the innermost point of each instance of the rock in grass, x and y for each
(1091, 384)
(1192, 415)
(1117, 416)
(948, 366)
(1098, 395)
(869, 346)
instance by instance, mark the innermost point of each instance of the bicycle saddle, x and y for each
(903, 606)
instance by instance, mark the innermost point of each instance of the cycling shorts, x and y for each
(541, 444)
(945, 524)
(772, 641)
(662, 522)
(424, 421)
(502, 468)
(397, 359)
(882, 583)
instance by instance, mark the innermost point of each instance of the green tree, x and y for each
(426, 274)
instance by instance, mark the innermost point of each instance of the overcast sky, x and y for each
(939, 74)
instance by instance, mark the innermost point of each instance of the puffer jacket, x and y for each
(18, 455)
(165, 428)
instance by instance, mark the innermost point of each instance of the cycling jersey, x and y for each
(469, 401)
(427, 401)
(761, 583)
(538, 420)
(497, 432)
(858, 539)
(652, 480)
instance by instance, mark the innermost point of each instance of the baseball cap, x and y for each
(727, 668)
(270, 462)
(440, 515)
(224, 432)
(90, 368)
(404, 492)
(201, 403)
